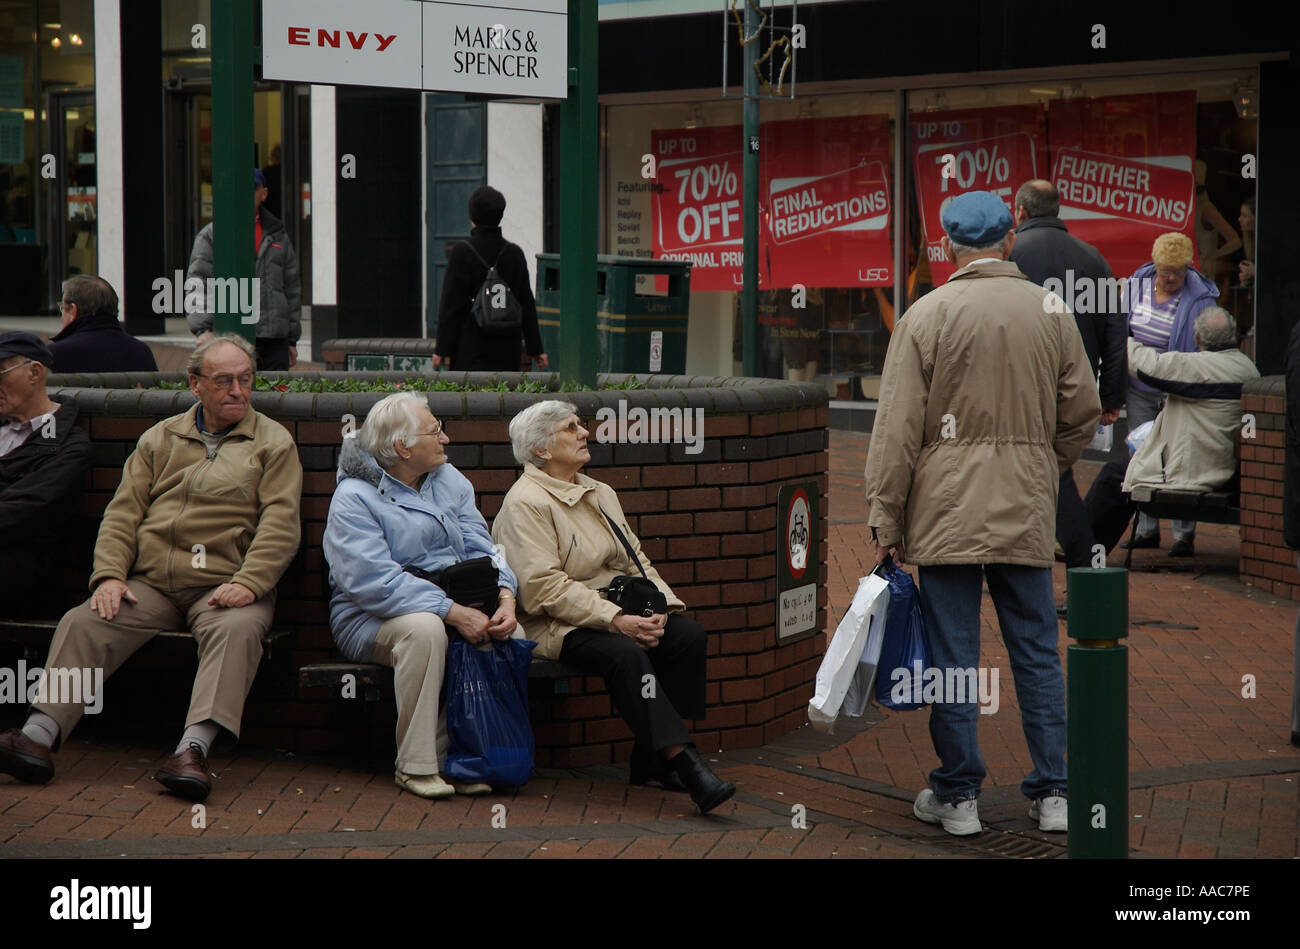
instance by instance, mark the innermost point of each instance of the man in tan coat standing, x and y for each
(987, 396)
(201, 528)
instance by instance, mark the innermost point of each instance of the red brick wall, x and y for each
(707, 521)
(1266, 561)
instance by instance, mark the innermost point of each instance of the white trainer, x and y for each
(959, 819)
(1051, 812)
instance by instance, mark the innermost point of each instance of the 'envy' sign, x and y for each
(301, 36)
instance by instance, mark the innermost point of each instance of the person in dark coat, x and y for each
(44, 457)
(460, 343)
(92, 338)
(1051, 257)
(1291, 499)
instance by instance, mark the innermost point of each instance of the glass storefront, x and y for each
(1133, 156)
(48, 194)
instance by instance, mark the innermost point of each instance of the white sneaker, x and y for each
(1051, 812)
(959, 819)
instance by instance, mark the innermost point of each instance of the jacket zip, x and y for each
(171, 553)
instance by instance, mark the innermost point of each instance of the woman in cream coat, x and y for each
(554, 529)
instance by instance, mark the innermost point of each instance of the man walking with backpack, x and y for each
(487, 309)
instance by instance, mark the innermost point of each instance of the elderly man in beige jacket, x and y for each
(987, 396)
(1191, 442)
(203, 524)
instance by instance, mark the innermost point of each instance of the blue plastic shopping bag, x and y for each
(490, 737)
(905, 652)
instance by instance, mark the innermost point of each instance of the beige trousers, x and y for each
(229, 642)
(414, 646)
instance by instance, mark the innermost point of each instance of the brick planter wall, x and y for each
(1266, 561)
(707, 521)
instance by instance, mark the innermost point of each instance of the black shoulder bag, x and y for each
(636, 596)
(472, 583)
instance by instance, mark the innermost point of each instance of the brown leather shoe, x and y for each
(25, 759)
(186, 774)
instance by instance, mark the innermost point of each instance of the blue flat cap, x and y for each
(976, 219)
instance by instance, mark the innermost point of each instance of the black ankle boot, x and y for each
(646, 768)
(707, 790)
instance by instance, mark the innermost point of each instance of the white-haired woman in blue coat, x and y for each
(399, 504)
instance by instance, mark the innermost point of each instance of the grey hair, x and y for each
(1039, 198)
(200, 354)
(392, 417)
(1216, 328)
(964, 250)
(533, 429)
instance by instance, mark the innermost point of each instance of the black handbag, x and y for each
(473, 583)
(635, 596)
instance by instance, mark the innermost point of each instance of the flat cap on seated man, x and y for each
(203, 524)
(44, 457)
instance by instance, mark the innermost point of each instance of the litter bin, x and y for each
(641, 309)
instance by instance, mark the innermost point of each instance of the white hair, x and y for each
(533, 429)
(392, 417)
(1216, 328)
(992, 250)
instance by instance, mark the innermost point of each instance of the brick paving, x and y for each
(1212, 773)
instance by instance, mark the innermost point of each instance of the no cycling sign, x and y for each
(796, 559)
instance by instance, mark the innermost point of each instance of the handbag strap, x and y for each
(626, 546)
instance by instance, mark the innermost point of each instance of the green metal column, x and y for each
(579, 144)
(749, 268)
(232, 151)
(1097, 712)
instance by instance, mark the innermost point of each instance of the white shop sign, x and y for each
(472, 46)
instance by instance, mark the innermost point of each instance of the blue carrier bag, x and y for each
(905, 643)
(490, 737)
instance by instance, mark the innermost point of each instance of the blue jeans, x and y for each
(950, 603)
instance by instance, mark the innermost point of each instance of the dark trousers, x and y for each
(1073, 526)
(272, 355)
(1109, 509)
(677, 665)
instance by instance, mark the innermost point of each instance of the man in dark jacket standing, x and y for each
(92, 338)
(44, 457)
(461, 345)
(1045, 250)
(279, 322)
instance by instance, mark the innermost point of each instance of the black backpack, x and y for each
(496, 311)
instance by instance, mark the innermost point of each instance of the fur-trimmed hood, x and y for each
(356, 462)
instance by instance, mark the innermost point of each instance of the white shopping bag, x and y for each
(1103, 438)
(862, 625)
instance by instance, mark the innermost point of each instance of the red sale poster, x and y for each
(824, 196)
(964, 150)
(826, 201)
(696, 211)
(1124, 167)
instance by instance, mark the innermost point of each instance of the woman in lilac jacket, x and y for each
(1164, 299)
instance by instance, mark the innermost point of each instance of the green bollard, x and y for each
(1097, 712)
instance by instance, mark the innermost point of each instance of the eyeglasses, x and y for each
(30, 362)
(571, 428)
(437, 430)
(224, 380)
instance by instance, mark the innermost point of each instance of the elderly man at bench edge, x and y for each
(1190, 446)
(203, 524)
